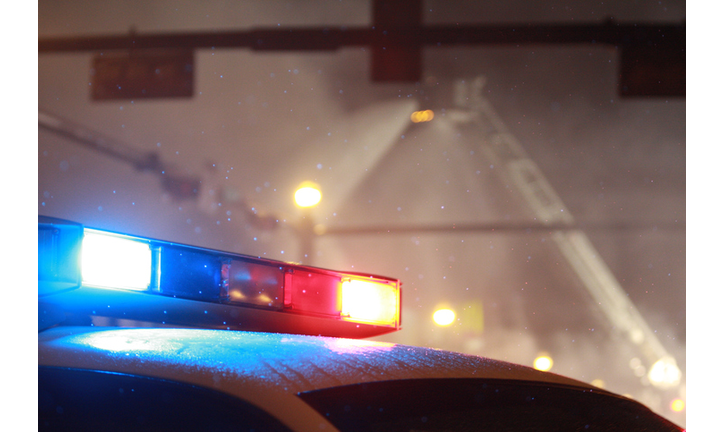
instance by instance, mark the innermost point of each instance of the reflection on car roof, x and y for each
(279, 362)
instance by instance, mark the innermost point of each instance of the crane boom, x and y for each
(178, 185)
(503, 150)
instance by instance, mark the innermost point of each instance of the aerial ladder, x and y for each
(518, 169)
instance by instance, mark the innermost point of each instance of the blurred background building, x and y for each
(530, 187)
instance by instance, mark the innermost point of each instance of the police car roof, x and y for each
(265, 368)
(280, 362)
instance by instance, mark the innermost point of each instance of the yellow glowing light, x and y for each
(543, 362)
(307, 195)
(599, 383)
(370, 302)
(443, 317)
(665, 373)
(422, 116)
(677, 405)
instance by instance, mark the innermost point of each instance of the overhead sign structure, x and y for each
(142, 74)
(652, 56)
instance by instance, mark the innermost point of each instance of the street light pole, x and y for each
(306, 198)
(305, 230)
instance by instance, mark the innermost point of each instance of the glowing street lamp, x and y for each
(543, 362)
(307, 195)
(665, 373)
(443, 317)
(677, 405)
(422, 116)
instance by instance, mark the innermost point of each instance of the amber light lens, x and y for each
(370, 301)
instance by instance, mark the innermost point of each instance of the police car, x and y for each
(140, 334)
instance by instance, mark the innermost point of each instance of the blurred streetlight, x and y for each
(665, 373)
(422, 116)
(307, 195)
(543, 362)
(443, 317)
(677, 405)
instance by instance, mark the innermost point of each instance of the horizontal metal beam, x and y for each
(412, 37)
(504, 228)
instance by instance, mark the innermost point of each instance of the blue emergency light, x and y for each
(87, 273)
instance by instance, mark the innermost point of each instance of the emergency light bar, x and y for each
(84, 271)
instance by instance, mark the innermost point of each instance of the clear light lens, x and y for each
(256, 284)
(370, 302)
(114, 261)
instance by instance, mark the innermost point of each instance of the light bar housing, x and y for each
(87, 272)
